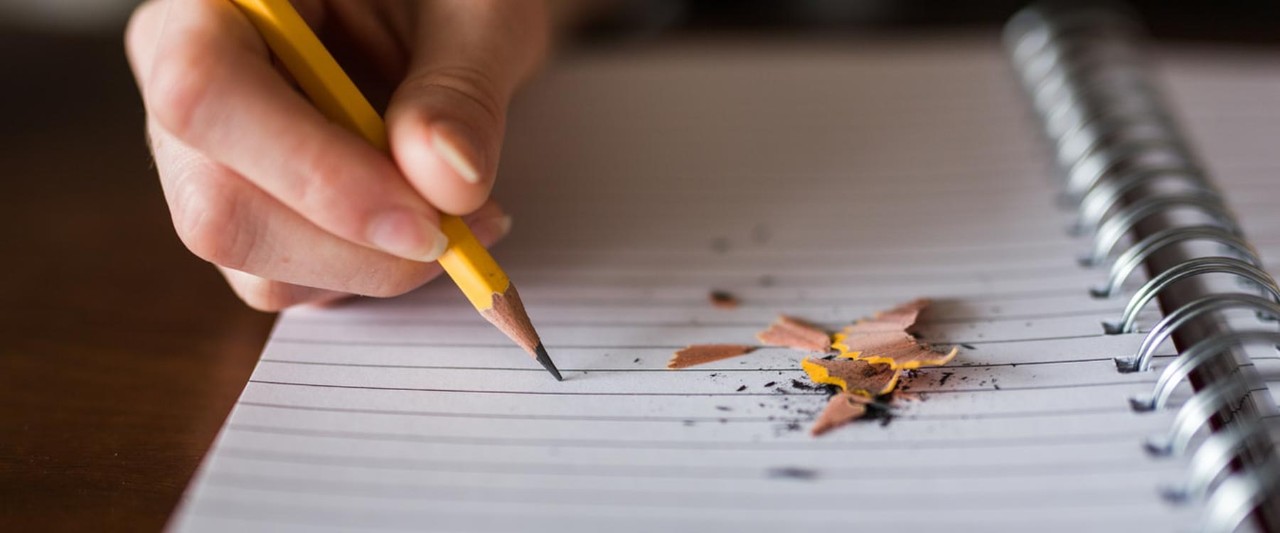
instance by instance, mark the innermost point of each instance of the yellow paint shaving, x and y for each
(884, 339)
(918, 357)
(868, 382)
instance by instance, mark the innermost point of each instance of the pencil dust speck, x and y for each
(796, 334)
(792, 472)
(698, 354)
(723, 300)
(884, 339)
(760, 234)
(802, 386)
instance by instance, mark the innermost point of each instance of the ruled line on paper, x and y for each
(688, 394)
(241, 513)
(393, 321)
(808, 300)
(629, 346)
(1053, 440)
(863, 473)
(709, 370)
(678, 419)
(797, 502)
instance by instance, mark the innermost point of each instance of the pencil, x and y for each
(332, 91)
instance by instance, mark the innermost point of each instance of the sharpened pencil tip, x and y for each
(545, 360)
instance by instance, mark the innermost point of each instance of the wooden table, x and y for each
(120, 353)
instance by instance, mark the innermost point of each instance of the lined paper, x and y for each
(826, 182)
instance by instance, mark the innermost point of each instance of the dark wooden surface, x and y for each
(120, 353)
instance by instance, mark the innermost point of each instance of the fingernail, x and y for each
(407, 235)
(450, 143)
(504, 225)
(492, 229)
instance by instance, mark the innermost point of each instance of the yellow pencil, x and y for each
(329, 88)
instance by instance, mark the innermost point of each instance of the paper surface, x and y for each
(821, 182)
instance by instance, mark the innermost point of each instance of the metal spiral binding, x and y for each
(1136, 255)
(1236, 498)
(1204, 265)
(1194, 416)
(1107, 195)
(1193, 358)
(1163, 330)
(1111, 136)
(1215, 454)
(1114, 228)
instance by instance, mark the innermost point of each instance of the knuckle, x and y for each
(402, 277)
(178, 89)
(470, 83)
(210, 225)
(320, 183)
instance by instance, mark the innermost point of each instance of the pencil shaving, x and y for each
(697, 354)
(904, 315)
(853, 376)
(884, 339)
(840, 410)
(917, 357)
(796, 334)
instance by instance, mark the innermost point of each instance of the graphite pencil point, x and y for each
(545, 360)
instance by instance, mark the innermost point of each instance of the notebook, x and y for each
(824, 181)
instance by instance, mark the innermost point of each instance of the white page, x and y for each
(826, 182)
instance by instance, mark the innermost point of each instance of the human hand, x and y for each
(293, 208)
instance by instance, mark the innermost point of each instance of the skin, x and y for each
(293, 209)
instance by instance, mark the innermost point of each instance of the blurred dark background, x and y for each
(120, 354)
(1240, 22)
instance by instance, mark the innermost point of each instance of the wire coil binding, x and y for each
(1111, 134)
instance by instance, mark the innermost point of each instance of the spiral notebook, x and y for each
(825, 181)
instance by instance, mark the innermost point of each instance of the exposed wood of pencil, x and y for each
(508, 314)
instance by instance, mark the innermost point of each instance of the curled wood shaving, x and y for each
(697, 354)
(795, 333)
(884, 339)
(840, 410)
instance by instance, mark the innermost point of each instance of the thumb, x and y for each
(447, 118)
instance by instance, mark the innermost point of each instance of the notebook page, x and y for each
(826, 182)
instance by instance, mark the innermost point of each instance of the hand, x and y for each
(294, 209)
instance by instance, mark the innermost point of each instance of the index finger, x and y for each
(212, 86)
